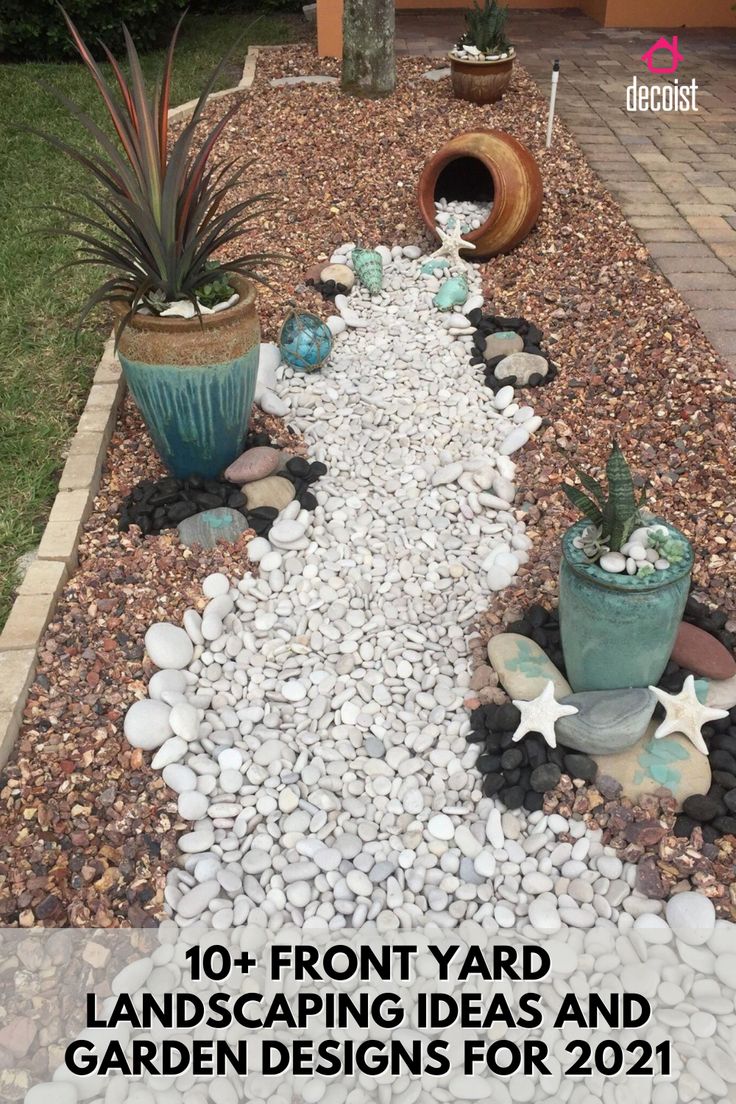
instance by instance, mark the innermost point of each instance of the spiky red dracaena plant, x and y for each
(166, 210)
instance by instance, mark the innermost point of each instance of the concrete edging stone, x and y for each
(56, 560)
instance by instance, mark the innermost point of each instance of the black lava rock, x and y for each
(722, 760)
(726, 825)
(729, 800)
(508, 717)
(537, 616)
(154, 507)
(492, 783)
(512, 758)
(582, 766)
(684, 826)
(512, 796)
(533, 801)
(297, 465)
(701, 808)
(545, 777)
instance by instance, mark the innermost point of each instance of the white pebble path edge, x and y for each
(322, 722)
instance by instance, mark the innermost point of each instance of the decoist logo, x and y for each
(670, 96)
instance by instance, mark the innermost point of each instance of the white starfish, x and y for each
(685, 714)
(540, 714)
(452, 242)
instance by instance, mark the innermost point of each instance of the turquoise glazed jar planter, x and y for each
(618, 630)
(194, 382)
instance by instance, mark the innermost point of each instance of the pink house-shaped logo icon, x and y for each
(663, 44)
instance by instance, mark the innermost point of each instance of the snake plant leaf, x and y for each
(621, 504)
(593, 487)
(629, 526)
(581, 502)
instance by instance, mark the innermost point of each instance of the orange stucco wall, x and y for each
(662, 14)
(329, 16)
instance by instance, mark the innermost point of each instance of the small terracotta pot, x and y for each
(481, 81)
(194, 381)
(511, 176)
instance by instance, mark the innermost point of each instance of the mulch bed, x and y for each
(88, 829)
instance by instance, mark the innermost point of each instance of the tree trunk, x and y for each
(368, 60)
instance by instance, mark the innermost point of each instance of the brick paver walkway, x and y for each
(674, 174)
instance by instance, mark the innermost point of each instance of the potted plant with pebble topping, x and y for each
(482, 61)
(624, 582)
(187, 330)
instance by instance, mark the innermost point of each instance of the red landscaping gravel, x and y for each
(87, 829)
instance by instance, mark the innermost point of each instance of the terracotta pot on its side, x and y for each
(493, 160)
(194, 381)
(481, 81)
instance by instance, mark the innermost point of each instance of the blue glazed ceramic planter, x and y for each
(197, 415)
(618, 630)
(194, 381)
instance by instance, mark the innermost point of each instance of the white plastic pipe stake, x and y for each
(552, 98)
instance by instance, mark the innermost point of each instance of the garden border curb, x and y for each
(38, 593)
(243, 85)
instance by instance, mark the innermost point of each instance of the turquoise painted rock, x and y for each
(452, 293)
(368, 267)
(718, 693)
(522, 667)
(503, 344)
(211, 526)
(649, 764)
(607, 721)
(433, 264)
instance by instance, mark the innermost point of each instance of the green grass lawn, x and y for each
(44, 374)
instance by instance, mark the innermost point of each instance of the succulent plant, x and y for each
(668, 547)
(486, 28)
(592, 543)
(614, 513)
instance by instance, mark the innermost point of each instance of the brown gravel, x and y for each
(87, 829)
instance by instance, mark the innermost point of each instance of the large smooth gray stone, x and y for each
(607, 721)
(211, 526)
(521, 365)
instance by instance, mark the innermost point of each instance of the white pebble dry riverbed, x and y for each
(312, 720)
(469, 214)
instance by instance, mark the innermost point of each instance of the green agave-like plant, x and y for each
(616, 513)
(487, 27)
(165, 211)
